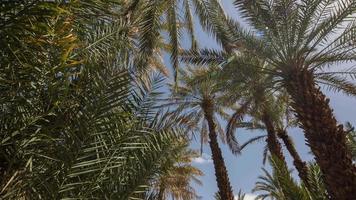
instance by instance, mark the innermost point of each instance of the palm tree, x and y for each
(254, 91)
(263, 118)
(299, 164)
(198, 97)
(265, 105)
(300, 39)
(179, 174)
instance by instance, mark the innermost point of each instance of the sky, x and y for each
(244, 169)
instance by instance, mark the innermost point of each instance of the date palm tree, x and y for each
(300, 39)
(243, 77)
(268, 108)
(201, 101)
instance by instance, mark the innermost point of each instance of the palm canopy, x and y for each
(171, 19)
(194, 88)
(251, 81)
(306, 35)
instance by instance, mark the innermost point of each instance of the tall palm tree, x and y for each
(299, 164)
(266, 106)
(301, 39)
(257, 84)
(254, 89)
(198, 97)
(263, 118)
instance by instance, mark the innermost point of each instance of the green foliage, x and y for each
(78, 104)
(240, 196)
(196, 86)
(76, 121)
(351, 139)
(317, 190)
(280, 185)
(320, 34)
(177, 176)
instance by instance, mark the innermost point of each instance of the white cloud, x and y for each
(248, 197)
(203, 159)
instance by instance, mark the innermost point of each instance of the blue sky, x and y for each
(245, 168)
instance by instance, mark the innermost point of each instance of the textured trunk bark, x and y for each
(161, 194)
(272, 142)
(222, 179)
(300, 165)
(325, 137)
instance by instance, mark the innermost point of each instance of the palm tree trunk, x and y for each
(161, 193)
(326, 138)
(300, 165)
(272, 142)
(225, 189)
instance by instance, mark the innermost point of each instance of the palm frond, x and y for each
(174, 35)
(236, 118)
(203, 57)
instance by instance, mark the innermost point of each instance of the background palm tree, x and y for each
(176, 181)
(201, 101)
(266, 105)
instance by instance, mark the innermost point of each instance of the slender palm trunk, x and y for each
(161, 193)
(326, 138)
(272, 142)
(299, 164)
(225, 189)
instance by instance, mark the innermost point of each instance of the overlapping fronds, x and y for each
(76, 122)
(280, 184)
(320, 33)
(179, 173)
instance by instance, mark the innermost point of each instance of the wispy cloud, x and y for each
(203, 159)
(248, 197)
